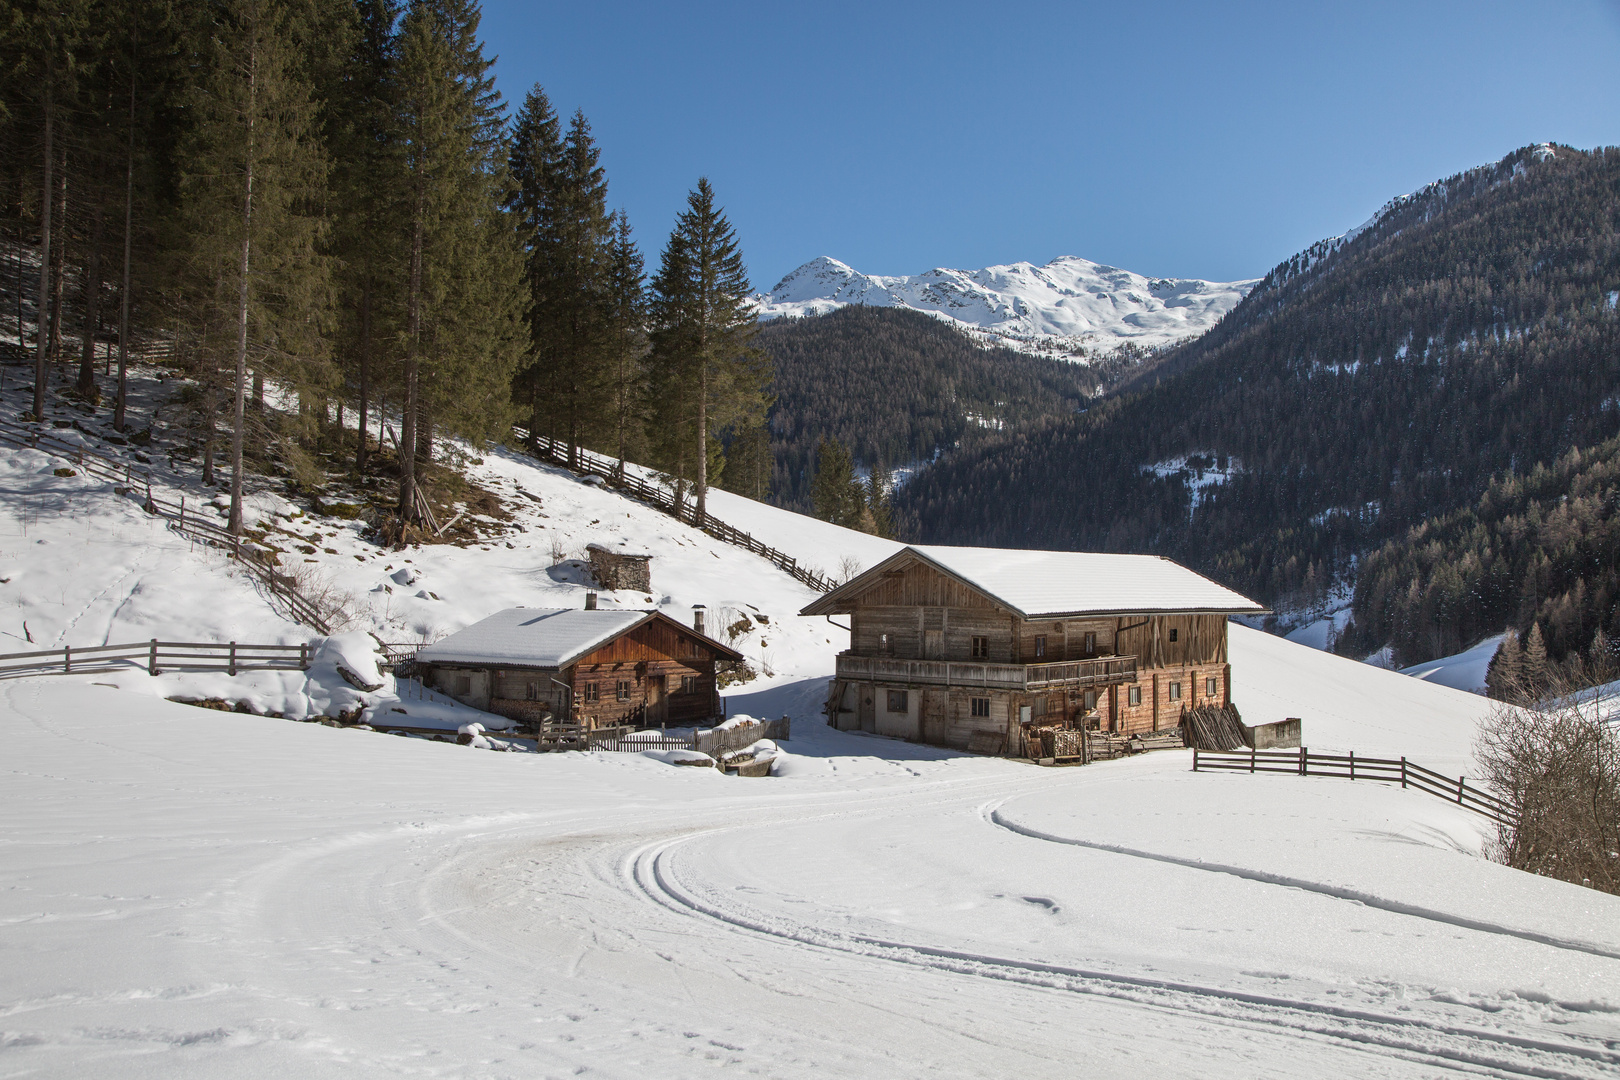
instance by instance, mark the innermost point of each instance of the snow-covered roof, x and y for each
(532, 637)
(1057, 583)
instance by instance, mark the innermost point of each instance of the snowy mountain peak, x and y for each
(1069, 305)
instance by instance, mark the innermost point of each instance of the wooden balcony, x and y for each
(1065, 675)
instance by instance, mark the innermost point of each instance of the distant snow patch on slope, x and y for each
(1068, 305)
(1201, 470)
(1461, 671)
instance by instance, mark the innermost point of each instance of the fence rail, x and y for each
(256, 559)
(158, 656)
(584, 461)
(1409, 774)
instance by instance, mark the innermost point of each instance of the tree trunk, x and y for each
(365, 373)
(59, 257)
(92, 312)
(424, 438)
(121, 398)
(47, 200)
(407, 423)
(210, 406)
(239, 402)
(702, 434)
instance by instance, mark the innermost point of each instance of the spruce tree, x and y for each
(461, 340)
(707, 374)
(1504, 677)
(838, 495)
(534, 162)
(879, 511)
(625, 341)
(1535, 662)
(254, 287)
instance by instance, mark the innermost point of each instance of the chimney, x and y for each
(697, 618)
(590, 601)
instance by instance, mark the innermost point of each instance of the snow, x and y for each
(1462, 671)
(1058, 583)
(537, 637)
(195, 893)
(1067, 304)
(1198, 470)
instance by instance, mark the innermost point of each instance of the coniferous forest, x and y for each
(332, 198)
(1363, 394)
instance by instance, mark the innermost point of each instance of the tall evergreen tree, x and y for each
(1535, 661)
(1505, 675)
(625, 341)
(255, 286)
(838, 495)
(707, 374)
(463, 299)
(367, 197)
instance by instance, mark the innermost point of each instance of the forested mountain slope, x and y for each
(1469, 330)
(896, 386)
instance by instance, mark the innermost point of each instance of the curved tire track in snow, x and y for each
(992, 813)
(650, 869)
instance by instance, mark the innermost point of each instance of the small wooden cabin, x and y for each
(971, 647)
(594, 667)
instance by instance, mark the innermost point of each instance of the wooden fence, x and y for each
(714, 742)
(1408, 774)
(158, 656)
(188, 521)
(584, 461)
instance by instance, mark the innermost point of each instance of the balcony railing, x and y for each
(1069, 674)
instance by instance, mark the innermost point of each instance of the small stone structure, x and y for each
(617, 570)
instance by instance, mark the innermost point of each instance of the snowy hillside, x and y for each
(1068, 305)
(208, 894)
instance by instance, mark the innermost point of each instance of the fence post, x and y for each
(1352, 764)
(67, 666)
(151, 660)
(1087, 741)
(1251, 759)
(233, 658)
(1305, 761)
(1459, 790)
(1302, 761)
(303, 655)
(1403, 770)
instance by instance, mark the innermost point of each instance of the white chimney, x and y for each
(697, 618)
(590, 601)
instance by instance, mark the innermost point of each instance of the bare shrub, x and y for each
(1559, 763)
(558, 551)
(848, 567)
(334, 604)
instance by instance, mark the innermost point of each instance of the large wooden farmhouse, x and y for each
(586, 668)
(965, 646)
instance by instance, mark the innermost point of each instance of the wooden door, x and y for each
(657, 701)
(867, 707)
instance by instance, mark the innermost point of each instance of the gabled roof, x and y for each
(547, 637)
(1051, 584)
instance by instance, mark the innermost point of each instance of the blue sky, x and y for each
(1173, 139)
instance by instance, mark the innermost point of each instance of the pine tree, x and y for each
(368, 199)
(879, 511)
(626, 338)
(707, 375)
(535, 161)
(254, 285)
(838, 495)
(1535, 662)
(1504, 677)
(749, 463)
(463, 300)
(570, 267)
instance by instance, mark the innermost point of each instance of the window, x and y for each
(898, 701)
(1135, 696)
(531, 691)
(1210, 687)
(624, 690)
(1091, 642)
(1040, 645)
(981, 706)
(689, 684)
(593, 693)
(981, 648)
(1175, 691)
(1173, 632)
(463, 685)
(1091, 700)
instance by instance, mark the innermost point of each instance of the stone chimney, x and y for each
(590, 601)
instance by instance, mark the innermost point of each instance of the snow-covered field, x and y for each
(1067, 304)
(195, 893)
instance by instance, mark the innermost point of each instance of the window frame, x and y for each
(1174, 630)
(621, 692)
(1134, 697)
(903, 697)
(1040, 646)
(1091, 642)
(1211, 686)
(592, 693)
(981, 647)
(1173, 691)
(979, 707)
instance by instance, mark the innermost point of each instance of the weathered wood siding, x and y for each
(1200, 639)
(1158, 710)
